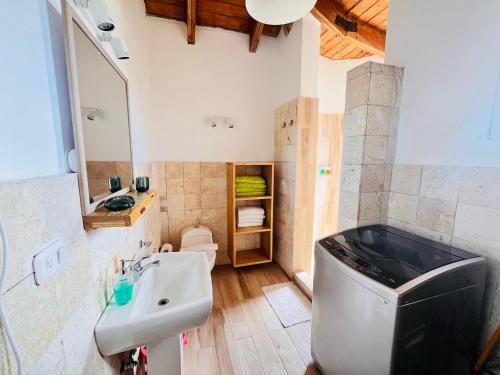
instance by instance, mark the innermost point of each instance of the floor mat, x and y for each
(289, 303)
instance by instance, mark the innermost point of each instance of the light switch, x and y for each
(49, 261)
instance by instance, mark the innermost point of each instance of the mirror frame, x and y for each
(70, 15)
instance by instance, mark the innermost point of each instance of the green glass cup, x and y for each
(142, 184)
(114, 184)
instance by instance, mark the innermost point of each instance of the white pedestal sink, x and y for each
(168, 299)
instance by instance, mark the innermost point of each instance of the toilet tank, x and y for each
(196, 235)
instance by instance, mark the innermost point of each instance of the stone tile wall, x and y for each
(191, 193)
(54, 323)
(454, 205)
(370, 129)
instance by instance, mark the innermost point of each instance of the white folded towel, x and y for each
(254, 222)
(256, 217)
(245, 225)
(251, 210)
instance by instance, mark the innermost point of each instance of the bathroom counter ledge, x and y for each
(103, 218)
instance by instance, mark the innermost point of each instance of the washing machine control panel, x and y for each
(356, 262)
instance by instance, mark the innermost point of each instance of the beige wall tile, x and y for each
(208, 169)
(384, 69)
(164, 227)
(361, 70)
(383, 90)
(370, 206)
(177, 218)
(355, 121)
(375, 150)
(406, 179)
(440, 182)
(436, 215)
(403, 207)
(209, 185)
(424, 232)
(357, 91)
(209, 200)
(353, 150)
(222, 170)
(373, 178)
(209, 216)
(391, 150)
(174, 170)
(175, 186)
(478, 224)
(221, 215)
(348, 204)
(174, 232)
(378, 120)
(191, 169)
(175, 202)
(192, 201)
(345, 223)
(21, 302)
(481, 187)
(351, 178)
(221, 184)
(194, 216)
(221, 199)
(192, 185)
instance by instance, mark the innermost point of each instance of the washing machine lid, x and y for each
(389, 255)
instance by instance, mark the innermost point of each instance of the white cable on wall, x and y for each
(3, 316)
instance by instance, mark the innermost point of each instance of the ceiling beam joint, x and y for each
(191, 20)
(255, 36)
(360, 34)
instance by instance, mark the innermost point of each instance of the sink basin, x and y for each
(168, 299)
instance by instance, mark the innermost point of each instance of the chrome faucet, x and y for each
(138, 268)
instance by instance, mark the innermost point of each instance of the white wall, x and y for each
(332, 79)
(451, 55)
(31, 139)
(218, 76)
(173, 88)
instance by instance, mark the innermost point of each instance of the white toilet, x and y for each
(197, 238)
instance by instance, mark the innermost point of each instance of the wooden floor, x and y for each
(243, 334)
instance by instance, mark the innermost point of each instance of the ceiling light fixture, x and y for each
(278, 12)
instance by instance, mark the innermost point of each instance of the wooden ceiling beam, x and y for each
(365, 37)
(255, 36)
(287, 28)
(191, 21)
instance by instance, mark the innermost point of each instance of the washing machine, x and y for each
(388, 302)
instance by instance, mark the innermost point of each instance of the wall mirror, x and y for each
(100, 114)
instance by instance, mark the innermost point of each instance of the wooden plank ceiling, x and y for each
(350, 29)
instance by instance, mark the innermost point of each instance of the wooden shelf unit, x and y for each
(103, 218)
(263, 253)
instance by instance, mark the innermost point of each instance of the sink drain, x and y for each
(163, 301)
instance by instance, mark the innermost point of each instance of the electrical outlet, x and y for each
(49, 262)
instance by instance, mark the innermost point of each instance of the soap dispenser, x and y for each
(122, 283)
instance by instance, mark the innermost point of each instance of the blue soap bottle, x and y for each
(122, 285)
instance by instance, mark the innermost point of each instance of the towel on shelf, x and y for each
(248, 186)
(246, 225)
(254, 210)
(250, 216)
(251, 221)
(251, 185)
(251, 179)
